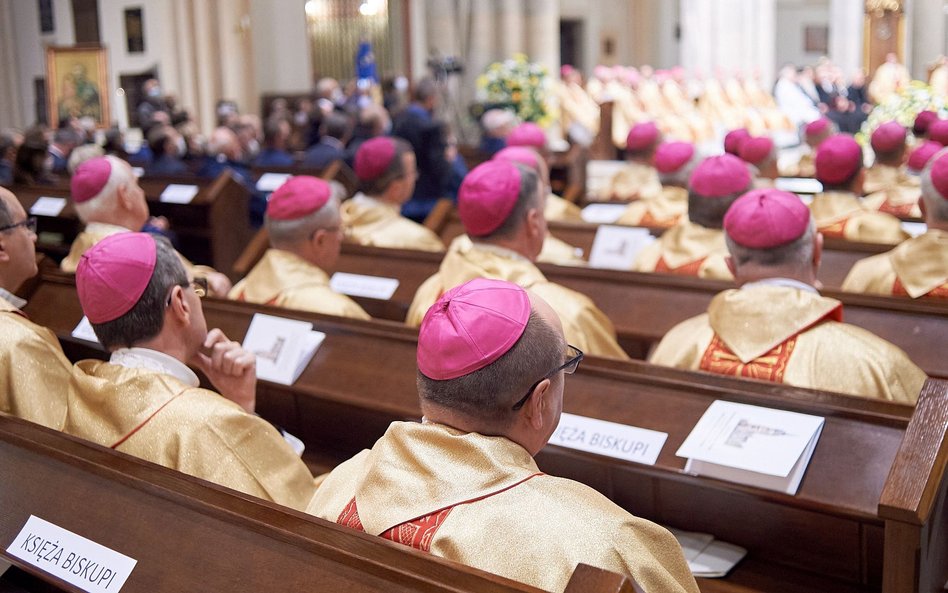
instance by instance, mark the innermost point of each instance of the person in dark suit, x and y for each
(276, 134)
(167, 146)
(64, 140)
(225, 153)
(334, 134)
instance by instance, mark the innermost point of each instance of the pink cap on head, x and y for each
(113, 274)
(939, 173)
(766, 218)
(756, 150)
(938, 132)
(734, 139)
(921, 155)
(527, 134)
(817, 128)
(672, 156)
(888, 137)
(299, 196)
(89, 179)
(719, 176)
(642, 136)
(519, 154)
(922, 121)
(487, 196)
(837, 159)
(566, 70)
(373, 157)
(470, 327)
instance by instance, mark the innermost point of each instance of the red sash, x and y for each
(689, 269)
(145, 421)
(900, 210)
(939, 292)
(836, 229)
(658, 223)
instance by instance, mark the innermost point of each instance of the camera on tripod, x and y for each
(443, 67)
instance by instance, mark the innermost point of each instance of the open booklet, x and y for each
(283, 347)
(706, 556)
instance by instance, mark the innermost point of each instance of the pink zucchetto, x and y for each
(299, 196)
(113, 274)
(672, 156)
(939, 174)
(766, 218)
(373, 157)
(720, 176)
(817, 128)
(487, 196)
(756, 150)
(922, 122)
(837, 159)
(89, 179)
(734, 139)
(527, 134)
(470, 327)
(922, 154)
(888, 137)
(938, 132)
(519, 154)
(642, 136)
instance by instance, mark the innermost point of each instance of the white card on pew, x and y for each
(616, 247)
(176, 193)
(84, 331)
(47, 206)
(608, 438)
(603, 213)
(270, 182)
(372, 287)
(283, 347)
(752, 445)
(914, 228)
(798, 185)
(69, 556)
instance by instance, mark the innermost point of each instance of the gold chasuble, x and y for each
(784, 334)
(893, 191)
(96, 231)
(163, 419)
(482, 501)
(841, 214)
(917, 268)
(286, 280)
(687, 249)
(584, 325)
(368, 221)
(882, 177)
(634, 182)
(36, 379)
(663, 211)
(561, 210)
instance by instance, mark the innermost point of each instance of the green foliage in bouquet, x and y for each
(519, 83)
(903, 108)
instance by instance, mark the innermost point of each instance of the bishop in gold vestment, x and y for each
(674, 162)
(841, 214)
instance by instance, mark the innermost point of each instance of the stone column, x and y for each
(511, 27)
(926, 33)
(728, 35)
(543, 34)
(441, 29)
(846, 23)
(11, 110)
(206, 57)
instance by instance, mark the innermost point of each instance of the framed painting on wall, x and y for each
(77, 84)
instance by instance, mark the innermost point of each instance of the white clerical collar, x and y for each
(152, 360)
(105, 229)
(498, 250)
(12, 298)
(787, 282)
(362, 199)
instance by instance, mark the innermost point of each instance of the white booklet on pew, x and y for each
(283, 347)
(270, 182)
(616, 247)
(707, 557)
(752, 445)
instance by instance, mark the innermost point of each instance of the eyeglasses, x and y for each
(29, 224)
(199, 285)
(573, 357)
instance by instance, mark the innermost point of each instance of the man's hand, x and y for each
(231, 369)
(218, 284)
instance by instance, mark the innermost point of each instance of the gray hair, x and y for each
(81, 154)
(797, 253)
(709, 212)
(104, 202)
(526, 199)
(680, 177)
(936, 205)
(287, 233)
(6, 217)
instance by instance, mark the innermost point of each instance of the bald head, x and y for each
(224, 141)
(17, 244)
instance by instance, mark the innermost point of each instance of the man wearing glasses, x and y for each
(146, 402)
(463, 484)
(35, 376)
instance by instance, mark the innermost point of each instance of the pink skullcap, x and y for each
(487, 196)
(642, 136)
(921, 155)
(89, 179)
(470, 327)
(519, 154)
(373, 157)
(755, 150)
(719, 176)
(602, 72)
(938, 132)
(734, 139)
(923, 120)
(939, 174)
(566, 70)
(766, 218)
(527, 134)
(888, 137)
(299, 196)
(837, 159)
(817, 128)
(113, 274)
(672, 156)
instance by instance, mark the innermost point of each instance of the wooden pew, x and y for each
(337, 170)
(869, 515)
(189, 535)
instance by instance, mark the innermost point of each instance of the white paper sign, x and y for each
(603, 213)
(179, 194)
(46, 206)
(269, 182)
(609, 438)
(84, 331)
(616, 247)
(283, 347)
(79, 561)
(914, 228)
(372, 287)
(798, 185)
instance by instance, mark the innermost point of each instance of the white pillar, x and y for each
(846, 22)
(206, 61)
(11, 112)
(511, 27)
(926, 31)
(730, 35)
(442, 30)
(543, 34)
